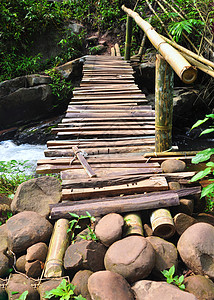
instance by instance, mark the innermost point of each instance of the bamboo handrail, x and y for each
(180, 65)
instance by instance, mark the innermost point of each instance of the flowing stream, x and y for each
(10, 151)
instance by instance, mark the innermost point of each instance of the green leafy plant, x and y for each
(203, 156)
(74, 224)
(12, 174)
(170, 278)
(64, 291)
(91, 235)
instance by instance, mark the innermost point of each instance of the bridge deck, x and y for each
(110, 121)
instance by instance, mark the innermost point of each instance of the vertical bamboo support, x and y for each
(128, 38)
(163, 104)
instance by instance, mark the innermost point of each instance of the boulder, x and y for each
(182, 222)
(4, 265)
(200, 286)
(85, 254)
(33, 269)
(20, 264)
(10, 86)
(26, 229)
(48, 286)
(152, 290)
(5, 210)
(20, 283)
(71, 69)
(109, 228)
(165, 254)
(3, 238)
(26, 104)
(106, 285)
(173, 165)
(196, 249)
(132, 257)
(36, 194)
(80, 281)
(37, 79)
(174, 185)
(37, 252)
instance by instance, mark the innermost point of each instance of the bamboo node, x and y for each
(163, 128)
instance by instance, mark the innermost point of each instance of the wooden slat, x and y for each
(147, 185)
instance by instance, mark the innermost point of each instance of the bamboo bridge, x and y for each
(104, 150)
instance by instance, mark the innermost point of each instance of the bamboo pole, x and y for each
(133, 224)
(162, 223)
(117, 49)
(181, 66)
(164, 79)
(58, 245)
(190, 53)
(128, 38)
(112, 51)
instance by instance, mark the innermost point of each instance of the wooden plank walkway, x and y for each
(111, 123)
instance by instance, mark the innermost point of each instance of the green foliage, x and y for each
(74, 224)
(90, 236)
(64, 291)
(177, 28)
(170, 278)
(203, 156)
(61, 88)
(12, 175)
(23, 296)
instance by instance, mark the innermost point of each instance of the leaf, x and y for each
(14, 293)
(198, 123)
(203, 155)
(74, 215)
(206, 131)
(207, 190)
(181, 279)
(23, 296)
(182, 287)
(172, 271)
(201, 174)
(169, 280)
(210, 164)
(210, 116)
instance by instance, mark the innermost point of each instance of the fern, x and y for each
(177, 28)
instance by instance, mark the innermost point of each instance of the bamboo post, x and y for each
(133, 224)
(128, 38)
(162, 223)
(58, 245)
(163, 104)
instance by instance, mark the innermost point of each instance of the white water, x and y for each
(32, 153)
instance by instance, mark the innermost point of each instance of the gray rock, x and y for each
(165, 254)
(80, 281)
(20, 283)
(26, 104)
(196, 248)
(76, 28)
(174, 185)
(33, 269)
(10, 86)
(85, 254)
(106, 285)
(200, 286)
(152, 290)
(132, 257)
(109, 228)
(37, 252)
(3, 238)
(173, 165)
(71, 69)
(182, 222)
(20, 264)
(37, 79)
(48, 286)
(26, 229)
(4, 265)
(36, 194)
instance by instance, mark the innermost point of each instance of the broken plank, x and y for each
(147, 185)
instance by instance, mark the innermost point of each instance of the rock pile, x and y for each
(118, 266)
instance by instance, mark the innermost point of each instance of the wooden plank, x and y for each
(109, 107)
(69, 179)
(95, 143)
(107, 119)
(146, 113)
(116, 204)
(109, 101)
(112, 133)
(104, 124)
(107, 96)
(117, 87)
(53, 168)
(101, 128)
(147, 185)
(95, 151)
(83, 162)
